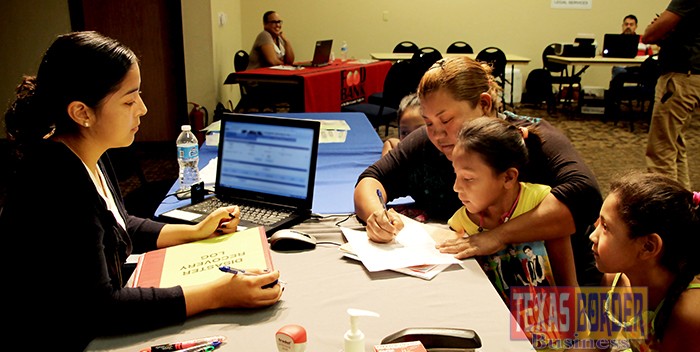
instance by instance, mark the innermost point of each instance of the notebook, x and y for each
(620, 45)
(322, 54)
(266, 165)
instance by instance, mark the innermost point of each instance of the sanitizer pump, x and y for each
(354, 338)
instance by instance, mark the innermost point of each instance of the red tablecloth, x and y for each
(326, 89)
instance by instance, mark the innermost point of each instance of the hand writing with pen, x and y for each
(383, 224)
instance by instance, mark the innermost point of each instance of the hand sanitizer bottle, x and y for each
(354, 338)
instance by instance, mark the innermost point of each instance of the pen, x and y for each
(231, 216)
(234, 271)
(381, 200)
(184, 344)
(205, 347)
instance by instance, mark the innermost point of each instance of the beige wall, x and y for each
(209, 47)
(28, 27)
(518, 27)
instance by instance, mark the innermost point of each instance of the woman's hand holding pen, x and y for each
(222, 221)
(252, 291)
(233, 291)
(383, 225)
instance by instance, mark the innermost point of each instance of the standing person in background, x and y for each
(677, 32)
(271, 46)
(67, 231)
(409, 120)
(459, 89)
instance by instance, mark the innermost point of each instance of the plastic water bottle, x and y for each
(188, 158)
(344, 52)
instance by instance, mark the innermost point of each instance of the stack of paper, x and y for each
(412, 251)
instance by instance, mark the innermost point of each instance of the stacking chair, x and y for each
(402, 79)
(248, 96)
(634, 89)
(406, 46)
(459, 47)
(538, 89)
(560, 75)
(426, 57)
(496, 58)
(240, 60)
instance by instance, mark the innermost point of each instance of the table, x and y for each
(317, 89)
(510, 59)
(337, 167)
(321, 285)
(594, 61)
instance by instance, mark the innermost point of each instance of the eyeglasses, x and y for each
(275, 22)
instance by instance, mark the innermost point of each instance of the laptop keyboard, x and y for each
(254, 214)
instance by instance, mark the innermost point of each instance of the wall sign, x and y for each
(572, 4)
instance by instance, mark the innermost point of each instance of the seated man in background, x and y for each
(629, 26)
(410, 119)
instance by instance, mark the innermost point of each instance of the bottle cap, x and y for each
(186, 128)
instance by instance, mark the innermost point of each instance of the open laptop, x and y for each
(322, 54)
(620, 45)
(266, 165)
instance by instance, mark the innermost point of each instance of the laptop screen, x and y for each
(267, 158)
(620, 45)
(322, 51)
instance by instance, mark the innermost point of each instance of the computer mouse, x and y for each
(291, 240)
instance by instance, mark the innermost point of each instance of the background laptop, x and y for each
(620, 45)
(322, 54)
(263, 163)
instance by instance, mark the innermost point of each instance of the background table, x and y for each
(510, 58)
(317, 89)
(594, 61)
(337, 167)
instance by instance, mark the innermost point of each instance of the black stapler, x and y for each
(438, 339)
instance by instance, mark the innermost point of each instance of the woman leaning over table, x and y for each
(66, 229)
(452, 91)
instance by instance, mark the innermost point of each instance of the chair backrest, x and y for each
(650, 71)
(406, 46)
(426, 57)
(403, 78)
(496, 58)
(548, 65)
(459, 47)
(240, 60)
(538, 86)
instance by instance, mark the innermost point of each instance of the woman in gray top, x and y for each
(271, 46)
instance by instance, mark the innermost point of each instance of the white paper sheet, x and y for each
(412, 246)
